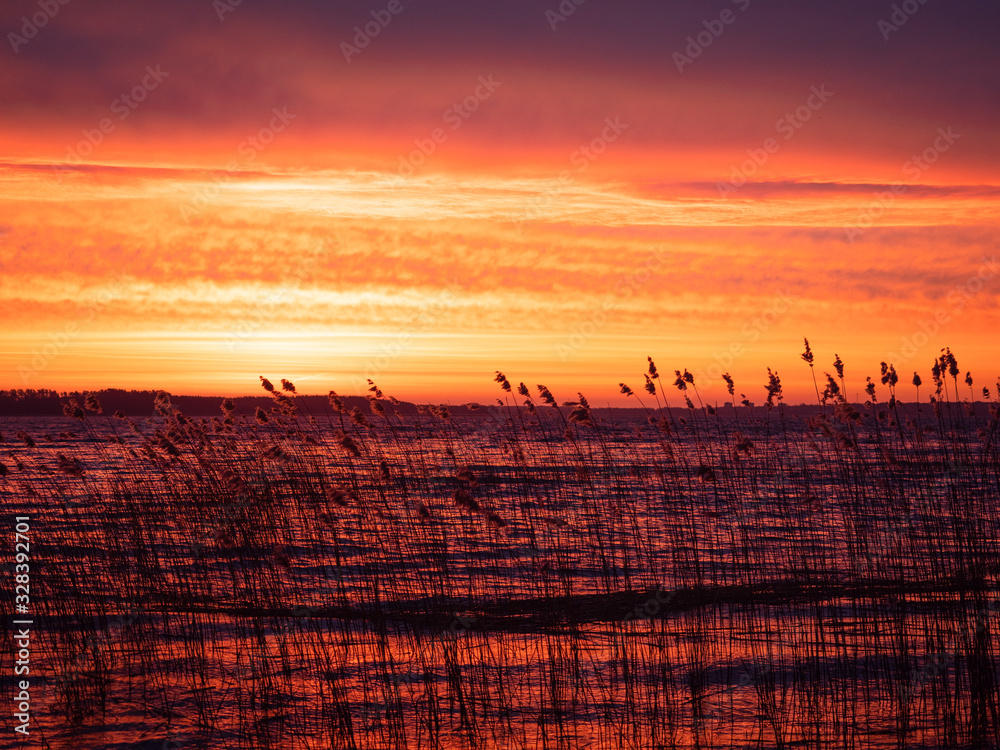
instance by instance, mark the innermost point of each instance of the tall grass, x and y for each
(529, 575)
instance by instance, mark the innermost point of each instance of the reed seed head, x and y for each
(335, 401)
(807, 355)
(91, 403)
(504, 383)
(546, 395)
(730, 385)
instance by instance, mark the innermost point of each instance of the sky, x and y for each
(420, 192)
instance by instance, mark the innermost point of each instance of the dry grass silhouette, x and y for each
(525, 575)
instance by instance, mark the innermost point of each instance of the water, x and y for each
(494, 581)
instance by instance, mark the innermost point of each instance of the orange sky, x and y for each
(474, 192)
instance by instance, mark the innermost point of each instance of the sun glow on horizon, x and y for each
(437, 281)
(444, 206)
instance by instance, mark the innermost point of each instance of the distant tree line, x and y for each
(43, 402)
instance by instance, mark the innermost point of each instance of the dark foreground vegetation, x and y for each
(527, 575)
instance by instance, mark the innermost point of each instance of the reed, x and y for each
(526, 575)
